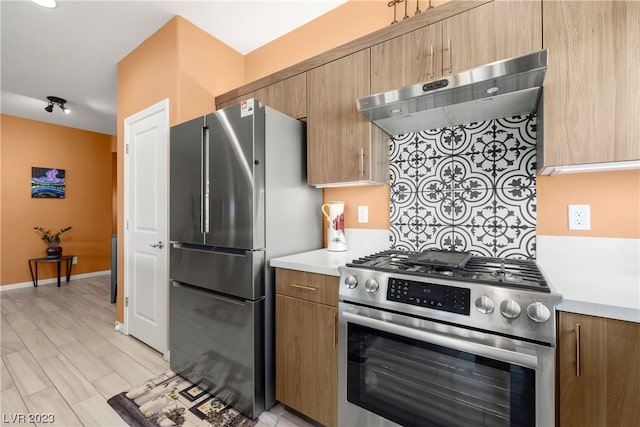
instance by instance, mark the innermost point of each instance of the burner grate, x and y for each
(514, 273)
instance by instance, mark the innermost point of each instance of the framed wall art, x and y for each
(47, 183)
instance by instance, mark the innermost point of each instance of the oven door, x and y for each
(400, 370)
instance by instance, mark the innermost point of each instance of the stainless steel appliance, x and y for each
(238, 197)
(499, 89)
(440, 338)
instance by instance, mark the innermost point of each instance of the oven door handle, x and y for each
(509, 356)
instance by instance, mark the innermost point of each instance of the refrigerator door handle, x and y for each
(210, 249)
(204, 182)
(208, 294)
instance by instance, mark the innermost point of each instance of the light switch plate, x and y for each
(579, 217)
(363, 214)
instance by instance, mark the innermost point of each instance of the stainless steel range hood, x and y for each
(500, 89)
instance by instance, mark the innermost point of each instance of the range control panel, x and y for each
(430, 295)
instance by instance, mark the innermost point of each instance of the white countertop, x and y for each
(600, 310)
(320, 261)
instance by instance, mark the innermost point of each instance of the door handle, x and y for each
(158, 245)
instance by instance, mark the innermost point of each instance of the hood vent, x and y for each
(504, 88)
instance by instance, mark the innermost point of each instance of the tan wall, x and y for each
(86, 158)
(614, 198)
(179, 62)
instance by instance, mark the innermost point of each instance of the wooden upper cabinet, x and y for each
(491, 32)
(591, 89)
(412, 58)
(288, 96)
(341, 146)
(598, 371)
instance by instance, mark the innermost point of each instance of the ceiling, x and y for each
(72, 51)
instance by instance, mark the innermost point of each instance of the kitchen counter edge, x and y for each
(600, 310)
(319, 261)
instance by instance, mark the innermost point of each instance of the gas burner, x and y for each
(505, 272)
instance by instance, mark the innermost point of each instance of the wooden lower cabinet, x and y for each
(306, 344)
(599, 371)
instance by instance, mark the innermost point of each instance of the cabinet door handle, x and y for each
(431, 74)
(450, 57)
(335, 330)
(306, 288)
(362, 162)
(577, 327)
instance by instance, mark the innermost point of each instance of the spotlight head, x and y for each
(54, 100)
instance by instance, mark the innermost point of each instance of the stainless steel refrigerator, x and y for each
(238, 197)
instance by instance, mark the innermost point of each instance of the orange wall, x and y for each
(179, 62)
(86, 158)
(347, 22)
(614, 198)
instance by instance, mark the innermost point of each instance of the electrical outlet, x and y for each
(363, 214)
(74, 260)
(579, 217)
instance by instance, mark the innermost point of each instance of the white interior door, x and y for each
(146, 225)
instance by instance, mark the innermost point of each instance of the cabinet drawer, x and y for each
(314, 287)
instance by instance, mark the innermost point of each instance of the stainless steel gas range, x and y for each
(439, 338)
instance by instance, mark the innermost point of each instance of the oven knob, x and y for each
(510, 309)
(371, 285)
(538, 312)
(484, 304)
(350, 282)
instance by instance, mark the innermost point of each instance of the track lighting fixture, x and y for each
(54, 100)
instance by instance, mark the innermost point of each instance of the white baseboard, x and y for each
(120, 327)
(54, 280)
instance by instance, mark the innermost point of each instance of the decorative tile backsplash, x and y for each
(466, 188)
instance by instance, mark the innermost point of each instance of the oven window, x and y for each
(419, 384)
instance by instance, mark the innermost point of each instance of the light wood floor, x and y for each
(62, 356)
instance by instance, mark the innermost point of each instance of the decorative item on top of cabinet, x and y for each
(491, 32)
(598, 371)
(412, 58)
(306, 343)
(591, 102)
(342, 146)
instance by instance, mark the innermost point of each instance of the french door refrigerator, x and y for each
(238, 197)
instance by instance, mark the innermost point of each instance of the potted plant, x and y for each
(52, 240)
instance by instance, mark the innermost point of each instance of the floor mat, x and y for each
(170, 400)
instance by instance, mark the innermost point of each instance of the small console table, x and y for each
(57, 260)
